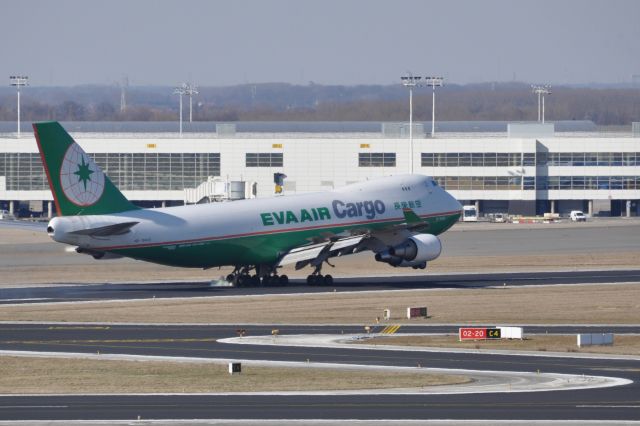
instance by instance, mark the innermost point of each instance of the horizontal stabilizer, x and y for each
(105, 231)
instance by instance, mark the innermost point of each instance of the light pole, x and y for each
(433, 82)
(18, 81)
(410, 82)
(541, 91)
(180, 90)
(190, 90)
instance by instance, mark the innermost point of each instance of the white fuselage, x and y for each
(362, 204)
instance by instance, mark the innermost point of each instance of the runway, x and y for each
(201, 341)
(67, 293)
(614, 403)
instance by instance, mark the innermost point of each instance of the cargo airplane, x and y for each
(397, 218)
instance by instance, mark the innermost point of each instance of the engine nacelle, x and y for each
(414, 252)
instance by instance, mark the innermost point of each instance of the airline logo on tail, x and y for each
(81, 179)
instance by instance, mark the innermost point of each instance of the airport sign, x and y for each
(478, 333)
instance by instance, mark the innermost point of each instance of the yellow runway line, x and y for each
(390, 329)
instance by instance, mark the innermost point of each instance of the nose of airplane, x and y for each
(452, 203)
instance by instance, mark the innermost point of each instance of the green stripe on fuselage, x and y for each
(256, 249)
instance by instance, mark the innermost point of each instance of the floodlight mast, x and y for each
(180, 90)
(433, 82)
(19, 81)
(541, 90)
(410, 82)
(124, 84)
(191, 90)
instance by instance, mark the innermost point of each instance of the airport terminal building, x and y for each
(524, 169)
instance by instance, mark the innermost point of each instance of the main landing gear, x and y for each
(316, 277)
(267, 276)
(241, 277)
(319, 279)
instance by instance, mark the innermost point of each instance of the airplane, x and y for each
(397, 218)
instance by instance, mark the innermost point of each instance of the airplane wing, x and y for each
(315, 254)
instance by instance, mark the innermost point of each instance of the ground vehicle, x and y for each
(577, 216)
(5, 215)
(499, 218)
(470, 214)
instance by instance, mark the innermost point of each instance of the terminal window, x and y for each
(23, 171)
(128, 171)
(264, 159)
(477, 159)
(377, 159)
(587, 182)
(487, 183)
(589, 159)
(158, 171)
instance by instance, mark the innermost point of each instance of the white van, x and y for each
(5, 215)
(469, 214)
(578, 216)
(499, 218)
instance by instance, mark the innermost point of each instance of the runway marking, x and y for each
(70, 301)
(68, 342)
(79, 327)
(504, 378)
(32, 406)
(221, 350)
(390, 329)
(417, 357)
(607, 406)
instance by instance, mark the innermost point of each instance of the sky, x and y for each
(347, 42)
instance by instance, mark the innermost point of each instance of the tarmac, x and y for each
(133, 291)
(618, 402)
(521, 395)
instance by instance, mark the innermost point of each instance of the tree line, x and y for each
(281, 102)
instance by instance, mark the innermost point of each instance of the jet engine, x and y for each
(415, 251)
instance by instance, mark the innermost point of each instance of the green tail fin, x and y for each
(78, 185)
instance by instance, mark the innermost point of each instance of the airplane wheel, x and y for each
(328, 280)
(241, 281)
(283, 280)
(230, 278)
(311, 280)
(266, 281)
(255, 281)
